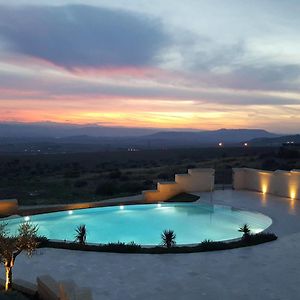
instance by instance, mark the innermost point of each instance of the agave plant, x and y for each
(80, 235)
(168, 238)
(245, 229)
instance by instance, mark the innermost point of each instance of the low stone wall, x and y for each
(196, 180)
(50, 289)
(8, 207)
(279, 183)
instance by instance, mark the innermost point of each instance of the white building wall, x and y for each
(279, 183)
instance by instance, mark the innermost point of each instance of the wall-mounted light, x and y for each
(264, 189)
(293, 195)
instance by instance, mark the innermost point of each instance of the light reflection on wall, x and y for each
(264, 188)
(280, 183)
(293, 194)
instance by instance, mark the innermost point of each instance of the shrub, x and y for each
(42, 241)
(246, 231)
(206, 245)
(106, 188)
(163, 176)
(115, 174)
(80, 235)
(121, 247)
(72, 173)
(80, 183)
(168, 238)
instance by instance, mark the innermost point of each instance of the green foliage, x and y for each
(106, 188)
(42, 241)
(206, 245)
(120, 247)
(245, 229)
(80, 183)
(80, 235)
(12, 246)
(168, 238)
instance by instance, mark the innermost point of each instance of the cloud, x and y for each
(81, 36)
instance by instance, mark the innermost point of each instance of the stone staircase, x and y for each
(195, 180)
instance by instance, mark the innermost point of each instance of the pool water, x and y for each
(143, 224)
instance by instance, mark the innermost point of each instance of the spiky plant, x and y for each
(245, 229)
(168, 238)
(80, 235)
(12, 246)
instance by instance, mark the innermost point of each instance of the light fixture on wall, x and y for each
(293, 195)
(264, 189)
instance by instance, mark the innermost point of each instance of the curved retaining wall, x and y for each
(279, 183)
(196, 180)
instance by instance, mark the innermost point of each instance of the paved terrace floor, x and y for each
(268, 271)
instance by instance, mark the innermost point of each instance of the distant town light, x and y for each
(220, 144)
(245, 144)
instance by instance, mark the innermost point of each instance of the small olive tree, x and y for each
(12, 246)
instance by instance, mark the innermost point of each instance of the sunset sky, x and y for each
(203, 64)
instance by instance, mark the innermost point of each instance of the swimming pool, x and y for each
(143, 224)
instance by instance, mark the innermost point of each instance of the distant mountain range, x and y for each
(229, 136)
(43, 134)
(59, 130)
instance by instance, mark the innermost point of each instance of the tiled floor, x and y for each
(268, 271)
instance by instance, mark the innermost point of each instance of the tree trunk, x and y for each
(8, 282)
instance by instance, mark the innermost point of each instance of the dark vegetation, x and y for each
(168, 238)
(75, 177)
(254, 239)
(13, 295)
(183, 197)
(80, 235)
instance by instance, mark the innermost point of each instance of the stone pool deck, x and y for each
(268, 271)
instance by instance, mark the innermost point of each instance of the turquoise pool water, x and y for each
(144, 224)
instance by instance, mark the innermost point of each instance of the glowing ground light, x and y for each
(220, 144)
(70, 212)
(158, 204)
(122, 207)
(27, 218)
(245, 144)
